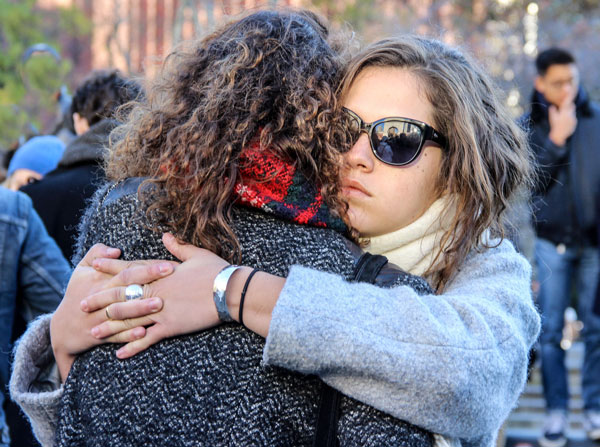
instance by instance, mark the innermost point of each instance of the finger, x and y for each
(102, 299)
(135, 308)
(180, 250)
(127, 336)
(113, 327)
(116, 266)
(99, 251)
(136, 273)
(110, 266)
(153, 335)
(570, 98)
(567, 105)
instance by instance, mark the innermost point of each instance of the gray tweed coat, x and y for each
(211, 388)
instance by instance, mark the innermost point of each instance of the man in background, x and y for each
(565, 136)
(62, 195)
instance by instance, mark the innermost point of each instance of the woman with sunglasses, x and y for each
(431, 198)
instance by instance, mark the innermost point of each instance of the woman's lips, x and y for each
(353, 188)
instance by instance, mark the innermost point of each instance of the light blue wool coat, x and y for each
(454, 363)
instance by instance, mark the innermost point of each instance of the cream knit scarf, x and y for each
(414, 247)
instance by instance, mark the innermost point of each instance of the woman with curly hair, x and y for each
(237, 150)
(452, 361)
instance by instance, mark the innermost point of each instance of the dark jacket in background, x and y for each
(565, 199)
(62, 195)
(597, 302)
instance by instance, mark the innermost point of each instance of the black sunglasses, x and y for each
(395, 141)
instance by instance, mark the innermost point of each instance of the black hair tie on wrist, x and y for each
(243, 297)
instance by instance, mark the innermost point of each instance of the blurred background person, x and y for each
(33, 160)
(597, 301)
(565, 135)
(61, 196)
(33, 275)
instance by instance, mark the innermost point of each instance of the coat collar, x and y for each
(90, 146)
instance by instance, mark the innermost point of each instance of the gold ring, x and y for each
(107, 314)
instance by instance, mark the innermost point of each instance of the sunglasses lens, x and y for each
(396, 142)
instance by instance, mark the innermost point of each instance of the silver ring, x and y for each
(107, 314)
(133, 292)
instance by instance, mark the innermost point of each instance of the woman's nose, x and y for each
(360, 155)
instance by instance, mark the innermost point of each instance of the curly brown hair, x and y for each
(271, 76)
(488, 159)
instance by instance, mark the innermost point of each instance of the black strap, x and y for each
(329, 414)
(368, 267)
(366, 270)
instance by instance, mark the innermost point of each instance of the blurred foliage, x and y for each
(27, 89)
(73, 19)
(355, 12)
(44, 73)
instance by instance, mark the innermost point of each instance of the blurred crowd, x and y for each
(48, 182)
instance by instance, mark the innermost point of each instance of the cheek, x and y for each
(417, 188)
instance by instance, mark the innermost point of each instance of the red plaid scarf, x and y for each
(276, 187)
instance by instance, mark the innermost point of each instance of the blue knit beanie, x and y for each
(40, 154)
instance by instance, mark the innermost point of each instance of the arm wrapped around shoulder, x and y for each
(453, 363)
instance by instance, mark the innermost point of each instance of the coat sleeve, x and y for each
(549, 157)
(33, 355)
(43, 270)
(454, 363)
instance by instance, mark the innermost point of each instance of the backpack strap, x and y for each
(366, 270)
(368, 267)
(329, 414)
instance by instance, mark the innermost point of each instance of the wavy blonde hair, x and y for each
(270, 76)
(487, 158)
